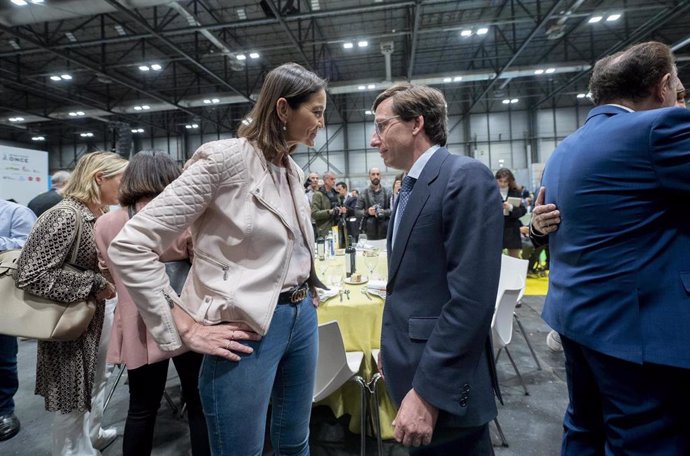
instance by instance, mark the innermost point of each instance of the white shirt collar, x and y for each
(621, 106)
(421, 162)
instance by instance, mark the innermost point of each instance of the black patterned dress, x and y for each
(64, 370)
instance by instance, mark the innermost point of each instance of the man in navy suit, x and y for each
(619, 291)
(444, 259)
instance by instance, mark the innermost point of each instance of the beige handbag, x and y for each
(26, 315)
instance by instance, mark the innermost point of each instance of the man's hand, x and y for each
(545, 217)
(371, 211)
(414, 424)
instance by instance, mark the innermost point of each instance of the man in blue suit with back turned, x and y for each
(619, 291)
(444, 260)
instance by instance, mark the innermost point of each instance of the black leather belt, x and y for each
(294, 295)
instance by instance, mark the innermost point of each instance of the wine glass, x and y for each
(362, 241)
(371, 259)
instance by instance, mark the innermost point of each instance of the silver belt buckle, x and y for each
(298, 295)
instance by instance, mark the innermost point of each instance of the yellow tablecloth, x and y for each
(359, 319)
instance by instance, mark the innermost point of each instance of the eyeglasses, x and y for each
(380, 126)
(681, 96)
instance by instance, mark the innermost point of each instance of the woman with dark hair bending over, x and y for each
(247, 304)
(131, 344)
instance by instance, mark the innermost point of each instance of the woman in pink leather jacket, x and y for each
(247, 304)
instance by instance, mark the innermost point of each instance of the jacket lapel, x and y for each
(418, 198)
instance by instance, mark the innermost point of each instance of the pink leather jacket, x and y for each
(242, 242)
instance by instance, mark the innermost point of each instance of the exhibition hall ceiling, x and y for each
(167, 67)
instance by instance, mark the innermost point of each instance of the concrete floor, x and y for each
(532, 424)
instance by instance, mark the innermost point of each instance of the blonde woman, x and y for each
(67, 373)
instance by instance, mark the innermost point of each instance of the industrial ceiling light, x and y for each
(15, 44)
(613, 17)
(254, 55)
(191, 126)
(539, 71)
(137, 130)
(581, 95)
(77, 114)
(348, 45)
(514, 100)
(368, 113)
(156, 67)
(55, 78)
(482, 31)
(16, 119)
(142, 108)
(212, 101)
(447, 79)
(371, 86)
(19, 2)
(506, 102)
(241, 57)
(363, 43)
(87, 134)
(70, 36)
(361, 87)
(144, 68)
(120, 30)
(66, 77)
(595, 19)
(457, 79)
(241, 14)
(550, 70)
(466, 33)
(38, 138)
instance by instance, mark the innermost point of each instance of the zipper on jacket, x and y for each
(223, 266)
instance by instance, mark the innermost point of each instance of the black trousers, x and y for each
(458, 442)
(621, 408)
(146, 387)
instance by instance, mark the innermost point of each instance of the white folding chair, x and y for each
(335, 367)
(511, 287)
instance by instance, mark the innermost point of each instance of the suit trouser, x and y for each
(9, 382)
(474, 441)
(75, 433)
(622, 408)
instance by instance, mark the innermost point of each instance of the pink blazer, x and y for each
(131, 344)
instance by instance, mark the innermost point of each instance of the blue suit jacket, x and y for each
(442, 283)
(620, 261)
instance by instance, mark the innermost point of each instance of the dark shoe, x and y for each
(9, 426)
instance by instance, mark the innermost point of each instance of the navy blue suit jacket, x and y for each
(620, 260)
(442, 284)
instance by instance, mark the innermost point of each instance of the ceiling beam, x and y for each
(554, 9)
(135, 17)
(638, 34)
(119, 80)
(413, 38)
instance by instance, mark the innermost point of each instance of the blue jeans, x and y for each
(235, 396)
(9, 383)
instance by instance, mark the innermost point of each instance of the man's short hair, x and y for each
(329, 174)
(342, 184)
(411, 101)
(60, 178)
(631, 74)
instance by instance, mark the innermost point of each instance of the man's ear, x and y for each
(282, 109)
(418, 125)
(663, 87)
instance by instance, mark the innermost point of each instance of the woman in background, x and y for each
(131, 344)
(69, 374)
(511, 213)
(247, 304)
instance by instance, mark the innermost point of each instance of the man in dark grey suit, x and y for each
(444, 259)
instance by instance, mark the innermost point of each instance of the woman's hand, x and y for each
(219, 340)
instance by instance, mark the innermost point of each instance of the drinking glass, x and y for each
(371, 259)
(362, 241)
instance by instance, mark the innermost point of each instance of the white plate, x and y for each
(377, 292)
